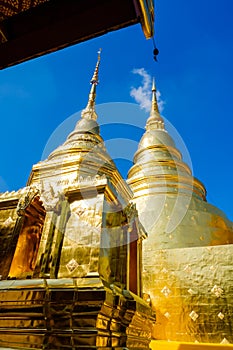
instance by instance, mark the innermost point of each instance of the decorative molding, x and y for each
(51, 197)
(26, 199)
(130, 211)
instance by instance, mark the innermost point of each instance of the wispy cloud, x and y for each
(142, 94)
(161, 103)
(3, 185)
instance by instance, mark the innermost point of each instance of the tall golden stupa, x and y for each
(87, 259)
(188, 254)
(70, 252)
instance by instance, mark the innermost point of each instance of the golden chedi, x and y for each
(70, 252)
(188, 255)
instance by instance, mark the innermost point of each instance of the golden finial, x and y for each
(94, 79)
(89, 111)
(154, 104)
(155, 121)
(153, 85)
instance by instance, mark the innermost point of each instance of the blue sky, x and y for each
(194, 76)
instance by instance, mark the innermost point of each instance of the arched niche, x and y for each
(24, 260)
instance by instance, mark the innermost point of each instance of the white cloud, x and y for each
(142, 94)
(3, 185)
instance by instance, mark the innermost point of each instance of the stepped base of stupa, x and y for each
(72, 314)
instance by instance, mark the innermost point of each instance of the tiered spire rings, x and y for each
(89, 111)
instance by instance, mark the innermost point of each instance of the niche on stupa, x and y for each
(30, 225)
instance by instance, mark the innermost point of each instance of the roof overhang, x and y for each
(31, 28)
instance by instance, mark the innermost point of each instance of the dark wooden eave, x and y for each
(56, 24)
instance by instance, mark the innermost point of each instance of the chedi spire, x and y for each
(155, 121)
(89, 112)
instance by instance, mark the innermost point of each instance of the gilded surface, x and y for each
(82, 238)
(26, 250)
(147, 8)
(75, 252)
(27, 234)
(187, 257)
(191, 291)
(113, 253)
(72, 313)
(8, 220)
(81, 161)
(73, 245)
(14, 207)
(182, 222)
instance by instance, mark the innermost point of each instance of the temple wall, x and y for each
(182, 221)
(8, 237)
(113, 263)
(191, 290)
(187, 268)
(80, 249)
(72, 313)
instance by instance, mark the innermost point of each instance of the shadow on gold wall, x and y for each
(24, 260)
(222, 234)
(26, 250)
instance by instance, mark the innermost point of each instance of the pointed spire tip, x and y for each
(153, 85)
(89, 111)
(94, 79)
(99, 53)
(155, 121)
(154, 104)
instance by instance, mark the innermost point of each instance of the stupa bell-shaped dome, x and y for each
(158, 165)
(156, 133)
(169, 199)
(189, 246)
(83, 153)
(84, 141)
